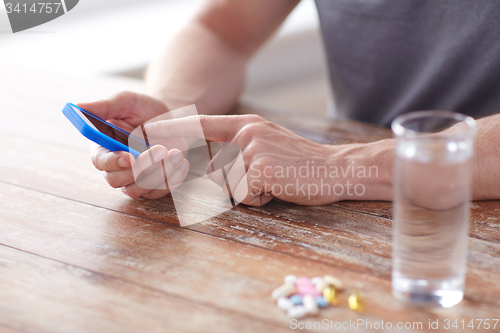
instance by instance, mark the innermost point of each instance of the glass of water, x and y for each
(432, 193)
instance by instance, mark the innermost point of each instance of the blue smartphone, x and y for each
(104, 133)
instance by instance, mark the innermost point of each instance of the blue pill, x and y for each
(322, 303)
(296, 299)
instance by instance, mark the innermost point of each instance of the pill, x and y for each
(333, 281)
(297, 312)
(329, 295)
(320, 286)
(356, 301)
(284, 303)
(296, 299)
(303, 281)
(315, 280)
(322, 303)
(310, 305)
(284, 290)
(307, 290)
(290, 278)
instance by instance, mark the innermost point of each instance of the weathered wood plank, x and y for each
(38, 116)
(325, 234)
(484, 216)
(31, 102)
(231, 276)
(41, 295)
(285, 238)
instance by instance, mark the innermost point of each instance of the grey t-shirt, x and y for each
(388, 57)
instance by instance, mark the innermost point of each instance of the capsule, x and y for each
(333, 281)
(290, 278)
(356, 301)
(321, 285)
(316, 279)
(297, 312)
(322, 303)
(296, 299)
(284, 290)
(329, 295)
(310, 305)
(284, 303)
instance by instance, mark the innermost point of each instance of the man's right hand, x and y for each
(128, 110)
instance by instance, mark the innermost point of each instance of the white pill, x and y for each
(310, 305)
(316, 279)
(297, 312)
(284, 303)
(320, 286)
(290, 278)
(284, 290)
(333, 281)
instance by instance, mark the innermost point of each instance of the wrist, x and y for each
(361, 171)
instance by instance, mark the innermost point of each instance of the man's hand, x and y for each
(127, 111)
(282, 164)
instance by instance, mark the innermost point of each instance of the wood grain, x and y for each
(42, 295)
(327, 234)
(81, 256)
(228, 275)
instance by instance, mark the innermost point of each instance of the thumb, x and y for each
(99, 108)
(117, 106)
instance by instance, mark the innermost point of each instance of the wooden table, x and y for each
(79, 256)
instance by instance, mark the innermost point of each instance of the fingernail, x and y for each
(123, 163)
(185, 166)
(159, 154)
(176, 158)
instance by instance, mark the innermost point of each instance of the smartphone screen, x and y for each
(112, 131)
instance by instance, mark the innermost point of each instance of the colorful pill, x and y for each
(315, 280)
(307, 290)
(333, 281)
(356, 301)
(329, 295)
(297, 312)
(296, 299)
(321, 285)
(284, 290)
(310, 305)
(322, 303)
(290, 278)
(284, 303)
(303, 281)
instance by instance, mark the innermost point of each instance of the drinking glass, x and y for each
(432, 192)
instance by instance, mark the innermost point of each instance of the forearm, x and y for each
(380, 157)
(198, 67)
(365, 171)
(486, 183)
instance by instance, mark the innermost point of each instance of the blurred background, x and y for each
(119, 37)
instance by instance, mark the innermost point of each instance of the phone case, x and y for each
(93, 134)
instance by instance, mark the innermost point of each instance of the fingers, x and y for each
(150, 165)
(177, 178)
(174, 177)
(118, 106)
(250, 195)
(215, 128)
(134, 107)
(156, 172)
(148, 173)
(229, 176)
(105, 160)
